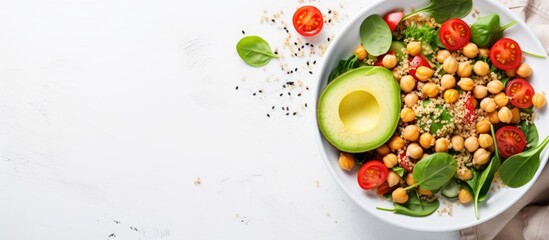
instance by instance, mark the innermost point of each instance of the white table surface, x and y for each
(120, 119)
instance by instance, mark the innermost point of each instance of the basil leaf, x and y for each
(434, 171)
(375, 35)
(255, 51)
(415, 206)
(520, 168)
(399, 170)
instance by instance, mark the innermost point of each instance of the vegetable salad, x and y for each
(467, 108)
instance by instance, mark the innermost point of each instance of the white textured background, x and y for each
(110, 111)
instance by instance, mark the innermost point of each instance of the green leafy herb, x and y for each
(486, 30)
(415, 206)
(531, 133)
(344, 66)
(399, 170)
(433, 171)
(438, 119)
(423, 33)
(520, 168)
(375, 35)
(442, 10)
(255, 51)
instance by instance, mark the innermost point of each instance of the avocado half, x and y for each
(359, 110)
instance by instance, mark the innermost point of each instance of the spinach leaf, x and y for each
(486, 30)
(415, 206)
(432, 172)
(480, 184)
(375, 35)
(442, 10)
(531, 133)
(520, 168)
(255, 51)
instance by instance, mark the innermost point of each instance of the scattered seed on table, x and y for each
(295, 113)
(243, 32)
(236, 88)
(310, 72)
(305, 104)
(268, 115)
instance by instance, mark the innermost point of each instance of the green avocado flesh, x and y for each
(359, 110)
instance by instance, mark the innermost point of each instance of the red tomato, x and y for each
(384, 188)
(454, 34)
(416, 62)
(308, 21)
(510, 141)
(470, 107)
(372, 174)
(520, 93)
(505, 54)
(404, 162)
(379, 59)
(392, 19)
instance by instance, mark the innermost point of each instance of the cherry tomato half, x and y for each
(506, 54)
(308, 21)
(405, 162)
(392, 19)
(454, 34)
(416, 62)
(372, 174)
(520, 93)
(510, 140)
(384, 188)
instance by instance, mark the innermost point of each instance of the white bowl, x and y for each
(462, 215)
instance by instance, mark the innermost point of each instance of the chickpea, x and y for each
(493, 117)
(411, 133)
(481, 68)
(396, 142)
(471, 144)
(470, 50)
(407, 114)
(424, 73)
(505, 115)
(524, 70)
(424, 155)
(480, 91)
(450, 65)
(413, 48)
(464, 196)
(464, 174)
(495, 86)
(457, 142)
(430, 89)
(484, 52)
(426, 140)
(399, 195)
(488, 104)
(424, 191)
(442, 55)
(515, 119)
(485, 140)
(466, 84)
(451, 96)
(390, 61)
(346, 161)
(539, 100)
(410, 179)
(411, 99)
(390, 160)
(360, 52)
(393, 178)
(441, 145)
(501, 99)
(483, 126)
(383, 150)
(414, 151)
(511, 72)
(407, 83)
(481, 156)
(464, 69)
(447, 81)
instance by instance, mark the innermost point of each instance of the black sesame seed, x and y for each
(268, 115)
(299, 94)
(329, 11)
(276, 52)
(290, 83)
(260, 91)
(236, 88)
(295, 54)
(289, 94)
(295, 113)
(295, 43)
(296, 69)
(329, 21)
(328, 39)
(307, 88)
(254, 94)
(306, 44)
(281, 94)
(310, 72)
(307, 63)
(287, 114)
(305, 104)
(312, 45)
(284, 86)
(243, 32)
(272, 20)
(314, 62)
(273, 107)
